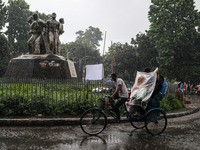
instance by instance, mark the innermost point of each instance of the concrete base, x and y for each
(47, 66)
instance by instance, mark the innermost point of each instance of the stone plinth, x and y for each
(45, 66)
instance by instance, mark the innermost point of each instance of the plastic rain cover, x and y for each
(143, 88)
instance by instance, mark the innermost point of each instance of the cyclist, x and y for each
(121, 91)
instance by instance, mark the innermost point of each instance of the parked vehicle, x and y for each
(109, 82)
(100, 89)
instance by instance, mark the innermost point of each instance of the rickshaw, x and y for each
(93, 121)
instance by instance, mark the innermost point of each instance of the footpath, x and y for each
(36, 121)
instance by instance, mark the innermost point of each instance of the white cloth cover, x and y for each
(94, 72)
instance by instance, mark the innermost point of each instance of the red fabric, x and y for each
(199, 89)
(129, 94)
(184, 87)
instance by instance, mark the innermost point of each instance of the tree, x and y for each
(174, 30)
(17, 30)
(76, 52)
(2, 14)
(4, 45)
(88, 42)
(128, 59)
(124, 61)
(4, 54)
(91, 36)
(145, 52)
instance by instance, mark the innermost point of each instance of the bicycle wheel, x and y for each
(155, 122)
(137, 123)
(93, 121)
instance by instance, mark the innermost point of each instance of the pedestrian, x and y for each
(188, 88)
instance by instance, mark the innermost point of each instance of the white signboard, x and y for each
(94, 72)
(72, 69)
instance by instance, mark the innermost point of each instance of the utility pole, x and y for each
(85, 64)
(104, 48)
(103, 55)
(111, 57)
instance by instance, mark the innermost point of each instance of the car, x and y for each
(100, 89)
(109, 82)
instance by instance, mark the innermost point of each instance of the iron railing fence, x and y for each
(56, 92)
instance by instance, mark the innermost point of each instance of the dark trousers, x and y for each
(117, 104)
(137, 109)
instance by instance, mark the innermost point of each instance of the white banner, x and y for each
(72, 69)
(94, 72)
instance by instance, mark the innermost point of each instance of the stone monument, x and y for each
(43, 60)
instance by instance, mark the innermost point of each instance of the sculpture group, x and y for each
(45, 35)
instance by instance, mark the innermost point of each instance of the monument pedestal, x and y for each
(47, 66)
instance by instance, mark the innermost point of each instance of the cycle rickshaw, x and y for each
(93, 121)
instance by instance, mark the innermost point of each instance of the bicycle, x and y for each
(94, 120)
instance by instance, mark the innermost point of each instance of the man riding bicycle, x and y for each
(121, 91)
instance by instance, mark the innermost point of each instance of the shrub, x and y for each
(170, 102)
(18, 107)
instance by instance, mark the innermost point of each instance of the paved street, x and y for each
(182, 133)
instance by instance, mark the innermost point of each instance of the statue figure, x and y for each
(53, 29)
(61, 31)
(37, 28)
(45, 36)
(30, 41)
(45, 40)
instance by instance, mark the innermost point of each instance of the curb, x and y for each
(39, 122)
(180, 114)
(73, 121)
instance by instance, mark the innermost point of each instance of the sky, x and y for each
(121, 20)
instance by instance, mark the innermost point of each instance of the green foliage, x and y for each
(47, 99)
(19, 107)
(17, 30)
(91, 36)
(76, 51)
(146, 52)
(2, 14)
(128, 59)
(174, 29)
(4, 54)
(4, 45)
(170, 102)
(124, 61)
(13, 107)
(88, 42)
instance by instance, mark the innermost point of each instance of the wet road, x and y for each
(181, 133)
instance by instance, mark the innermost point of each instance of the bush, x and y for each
(38, 105)
(18, 107)
(170, 102)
